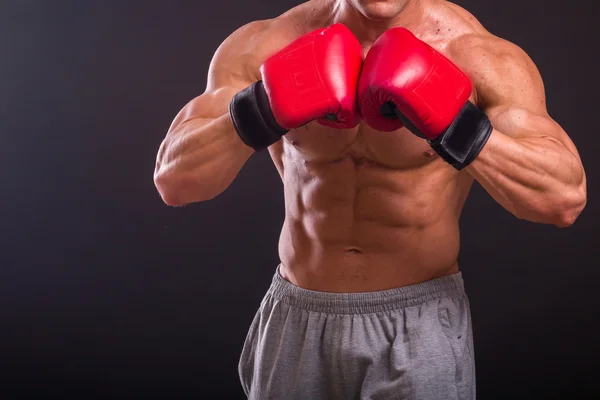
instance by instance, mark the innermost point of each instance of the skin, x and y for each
(367, 210)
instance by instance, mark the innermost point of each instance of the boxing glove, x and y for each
(313, 78)
(405, 82)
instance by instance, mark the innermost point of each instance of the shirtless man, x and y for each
(377, 159)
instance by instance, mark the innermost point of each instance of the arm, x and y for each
(529, 165)
(202, 153)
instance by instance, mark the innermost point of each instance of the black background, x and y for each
(105, 292)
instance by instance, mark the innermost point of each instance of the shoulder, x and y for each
(239, 55)
(244, 50)
(500, 70)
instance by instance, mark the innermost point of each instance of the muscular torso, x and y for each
(368, 210)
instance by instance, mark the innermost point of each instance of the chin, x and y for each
(379, 9)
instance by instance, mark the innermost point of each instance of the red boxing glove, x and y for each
(313, 78)
(405, 81)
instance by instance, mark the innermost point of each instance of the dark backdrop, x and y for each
(105, 292)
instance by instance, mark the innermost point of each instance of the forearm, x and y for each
(198, 160)
(535, 178)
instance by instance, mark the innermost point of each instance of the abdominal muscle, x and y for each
(357, 224)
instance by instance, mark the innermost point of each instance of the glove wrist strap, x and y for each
(462, 141)
(253, 118)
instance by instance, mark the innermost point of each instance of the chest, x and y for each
(398, 150)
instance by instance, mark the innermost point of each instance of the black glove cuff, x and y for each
(462, 141)
(253, 118)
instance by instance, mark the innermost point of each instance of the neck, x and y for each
(367, 29)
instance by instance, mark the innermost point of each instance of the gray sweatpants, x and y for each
(413, 342)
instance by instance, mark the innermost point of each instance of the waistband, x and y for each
(366, 302)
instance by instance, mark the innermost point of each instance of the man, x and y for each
(378, 115)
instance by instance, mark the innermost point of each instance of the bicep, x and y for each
(209, 105)
(519, 122)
